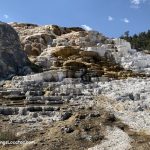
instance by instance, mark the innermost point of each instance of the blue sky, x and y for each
(110, 17)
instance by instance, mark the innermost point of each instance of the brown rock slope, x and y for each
(35, 39)
(85, 63)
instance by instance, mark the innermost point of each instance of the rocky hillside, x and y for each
(78, 53)
(90, 92)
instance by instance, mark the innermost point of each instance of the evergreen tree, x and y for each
(140, 41)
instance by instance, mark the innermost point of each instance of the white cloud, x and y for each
(6, 16)
(126, 20)
(110, 18)
(137, 3)
(86, 27)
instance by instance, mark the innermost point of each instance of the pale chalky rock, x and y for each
(129, 58)
(81, 38)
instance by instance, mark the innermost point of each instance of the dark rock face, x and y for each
(13, 60)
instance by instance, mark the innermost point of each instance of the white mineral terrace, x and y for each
(115, 138)
(131, 101)
(130, 58)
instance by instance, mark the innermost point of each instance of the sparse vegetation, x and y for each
(8, 135)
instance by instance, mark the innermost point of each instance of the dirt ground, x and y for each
(84, 129)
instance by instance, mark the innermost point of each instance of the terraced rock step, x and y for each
(54, 102)
(15, 97)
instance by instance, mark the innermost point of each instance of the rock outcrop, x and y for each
(80, 38)
(13, 60)
(64, 52)
(35, 39)
(131, 59)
